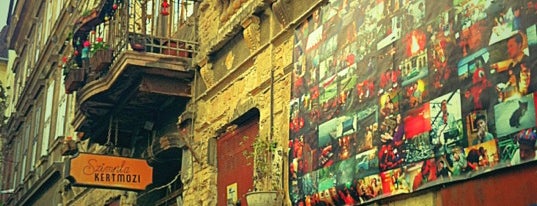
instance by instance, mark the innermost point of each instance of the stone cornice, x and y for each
(232, 26)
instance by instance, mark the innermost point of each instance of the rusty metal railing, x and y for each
(128, 32)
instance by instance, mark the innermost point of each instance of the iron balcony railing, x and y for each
(128, 27)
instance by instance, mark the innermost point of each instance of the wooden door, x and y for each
(235, 170)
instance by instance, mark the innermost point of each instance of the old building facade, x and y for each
(313, 79)
(38, 113)
(103, 77)
(224, 98)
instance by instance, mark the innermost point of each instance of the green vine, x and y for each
(262, 154)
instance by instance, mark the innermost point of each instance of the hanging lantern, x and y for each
(114, 7)
(164, 10)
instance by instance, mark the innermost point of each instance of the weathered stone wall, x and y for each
(86, 196)
(252, 65)
(248, 79)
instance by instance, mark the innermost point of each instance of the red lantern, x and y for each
(114, 7)
(164, 10)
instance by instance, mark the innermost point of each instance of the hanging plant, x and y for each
(97, 46)
(262, 155)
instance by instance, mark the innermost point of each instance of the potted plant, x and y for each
(101, 56)
(69, 146)
(267, 189)
(74, 78)
(137, 41)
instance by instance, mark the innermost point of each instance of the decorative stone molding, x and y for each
(232, 26)
(203, 62)
(251, 32)
(236, 5)
(207, 75)
(243, 106)
(204, 6)
(281, 12)
(230, 58)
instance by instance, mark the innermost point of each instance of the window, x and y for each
(179, 12)
(37, 125)
(48, 20)
(34, 154)
(23, 169)
(37, 120)
(58, 8)
(16, 160)
(25, 72)
(25, 145)
(48, 119)
(37, 44)
(60, 114)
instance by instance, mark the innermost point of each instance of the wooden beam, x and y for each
(166, 86)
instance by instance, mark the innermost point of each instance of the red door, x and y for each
(235, 171)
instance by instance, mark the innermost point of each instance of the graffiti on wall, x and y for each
(393, 96)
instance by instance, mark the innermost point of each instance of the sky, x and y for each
(4, 6)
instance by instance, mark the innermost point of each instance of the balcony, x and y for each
(168, 146)
(139, 77)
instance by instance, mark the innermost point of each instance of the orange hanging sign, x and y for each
(104, 171)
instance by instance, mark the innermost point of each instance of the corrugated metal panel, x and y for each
(515, 186)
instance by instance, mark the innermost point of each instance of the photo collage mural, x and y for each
(393, 96)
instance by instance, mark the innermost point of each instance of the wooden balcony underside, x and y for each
(137, 86)
(148, 63)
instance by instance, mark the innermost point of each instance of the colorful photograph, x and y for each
(391, 96)
(367, 129)
(515, 115)
(367, 163)
(395, 182)
(369, 187)
(391, 155)
(418, 148)
(415, 65)
(417, 121)
(482, 156)
(478, 124)
(446, 121)
(421, 174)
